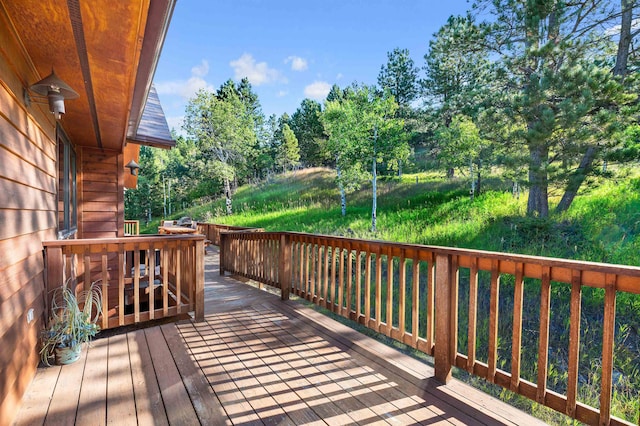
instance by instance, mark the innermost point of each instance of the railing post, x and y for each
(222, 247)
(199, 290)
(284, 266)
(444, 340)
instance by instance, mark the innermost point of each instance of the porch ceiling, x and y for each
(107, 51)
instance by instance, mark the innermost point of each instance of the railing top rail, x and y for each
(628, 270)
(124, 240)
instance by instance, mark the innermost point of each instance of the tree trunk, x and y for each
(227, 195)
(374, 184)
(343, 195)
(451, 173)
(478, 182)
(538, 180)
(625, 38)
(576, 179)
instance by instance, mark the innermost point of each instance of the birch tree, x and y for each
(224, 133)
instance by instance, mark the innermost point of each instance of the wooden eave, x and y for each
(106, 51)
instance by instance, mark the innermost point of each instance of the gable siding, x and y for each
(28, 183)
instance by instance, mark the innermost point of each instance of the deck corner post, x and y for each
(199, 284)
(444, 353)
(284, 266)
(222, 251)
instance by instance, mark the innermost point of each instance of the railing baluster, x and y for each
(608, 339)
(349, 280)
(151, 253)
(179, 265)
(325, 288)
(402, 296)
(301, 250)
(473, 314)
(341, 282)
(136, 283)
(87, 268)
(105, 289)
(313, 261)
(431, 302)
(516, 345)
(319, 273)
(415, 301)
(367, 288)
(334, 278)
(493, 320)
(574, 341)
(389, 301)
(378, 286)
(358, 285)
(165, 278)
(543, 345)
(121, 266)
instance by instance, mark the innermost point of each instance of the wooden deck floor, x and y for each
(255, 360)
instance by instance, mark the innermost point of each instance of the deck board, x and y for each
(121, 408)
(91, 407)
(149, 406)
(255, 360)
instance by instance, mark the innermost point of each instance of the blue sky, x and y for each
(290, 50)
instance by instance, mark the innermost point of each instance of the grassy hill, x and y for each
(603, 225)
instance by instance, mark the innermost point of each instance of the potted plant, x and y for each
(73, 321)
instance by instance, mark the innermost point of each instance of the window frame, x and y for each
(67, 185)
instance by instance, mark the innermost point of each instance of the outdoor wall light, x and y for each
(55, 90)
(133, 167)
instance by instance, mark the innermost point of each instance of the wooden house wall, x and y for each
(100, 194)
(28, 215)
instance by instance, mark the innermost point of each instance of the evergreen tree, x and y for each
(289, 152)
(305, 123)
(399, 76)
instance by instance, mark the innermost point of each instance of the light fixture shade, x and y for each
(53, 83)
(56, 92)
(133, 167)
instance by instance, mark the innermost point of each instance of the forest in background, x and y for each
(541, 93)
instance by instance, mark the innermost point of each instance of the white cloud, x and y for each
(282, 93)
(339, 76)
(257, 73)
(201, 70)
(317, 90)
(297, 63)
(186, 88)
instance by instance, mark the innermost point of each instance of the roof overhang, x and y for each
(105, 50)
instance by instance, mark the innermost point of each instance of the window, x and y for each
(67, 198)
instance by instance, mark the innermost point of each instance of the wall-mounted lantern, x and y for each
(133, 167)
(55, 90)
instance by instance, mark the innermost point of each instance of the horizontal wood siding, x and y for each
(99, 201)
(28, 182)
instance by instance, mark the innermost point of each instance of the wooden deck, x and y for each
(255, 360)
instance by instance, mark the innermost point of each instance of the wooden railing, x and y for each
(142, 278)
(131, 227)
(212, 230)
(427, 297)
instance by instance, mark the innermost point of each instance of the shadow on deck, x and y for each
(255, 360)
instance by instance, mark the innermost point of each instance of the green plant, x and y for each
(73, 319)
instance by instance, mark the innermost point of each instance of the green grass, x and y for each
(603, 225)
